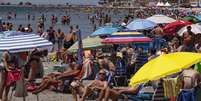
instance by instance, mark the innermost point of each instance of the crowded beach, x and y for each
(150, 54)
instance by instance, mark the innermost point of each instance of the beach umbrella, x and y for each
(198, 17)
(196, 28)
(165, 65)
(140, 24)
(174, 27)
(88, 43)
(20, 42)
(126, 39)
(191, 19)
(161, 19)
(106, 30)
(126, 33)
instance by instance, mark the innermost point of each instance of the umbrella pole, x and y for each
(23, 87)
(23, 84)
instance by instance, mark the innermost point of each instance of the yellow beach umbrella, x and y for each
(126, 33)
(164, 65)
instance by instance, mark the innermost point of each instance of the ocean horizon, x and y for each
(76, 2)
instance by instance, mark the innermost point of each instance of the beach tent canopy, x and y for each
(161, 19)
(174, 27)
(159, 4)
(164, 65)
(14, 41)
(196, 28)
(192, 19)
(167, 4)
(106, 30)
(88, 43)
(140, 24)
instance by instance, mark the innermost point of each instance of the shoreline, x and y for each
(84, 7)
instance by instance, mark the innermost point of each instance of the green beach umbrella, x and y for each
(88, 43)
(191, 19)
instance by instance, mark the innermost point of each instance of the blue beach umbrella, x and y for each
(107, 30)
(140, 24)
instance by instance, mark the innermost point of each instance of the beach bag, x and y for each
(20, 89)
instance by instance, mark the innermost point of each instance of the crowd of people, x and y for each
(105, 70)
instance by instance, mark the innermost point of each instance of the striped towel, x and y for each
(86, 69)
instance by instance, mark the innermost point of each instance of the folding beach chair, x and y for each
(159, 93)
(120, 77)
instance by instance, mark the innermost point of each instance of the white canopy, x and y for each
(160, 4)
(167, 4)
(161, 19)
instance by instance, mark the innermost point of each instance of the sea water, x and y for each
(77, 18)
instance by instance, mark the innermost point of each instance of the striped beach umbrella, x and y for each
(126, 37)
(116, 40)
(14, 42)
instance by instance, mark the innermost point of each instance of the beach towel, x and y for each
(86, 69)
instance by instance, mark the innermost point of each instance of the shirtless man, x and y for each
(100, 84)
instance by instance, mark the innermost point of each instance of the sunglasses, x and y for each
(101, 73)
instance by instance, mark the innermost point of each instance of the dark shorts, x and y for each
(68, 44)
(2, 69)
